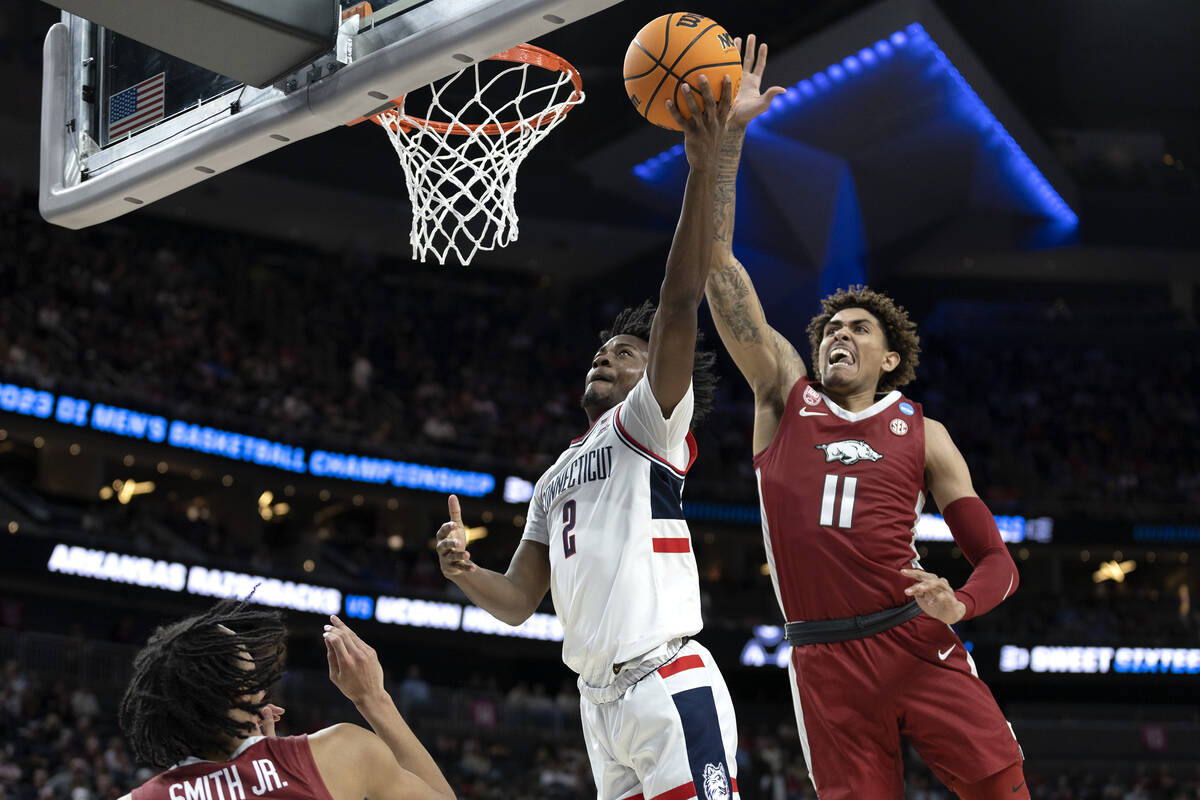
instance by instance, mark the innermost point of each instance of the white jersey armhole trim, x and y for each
(645, 452)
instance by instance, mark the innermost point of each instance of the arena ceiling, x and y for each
(1112, 91)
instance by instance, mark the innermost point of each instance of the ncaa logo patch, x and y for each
(811, 397)
(716, 785)
(906, 408)
(899, 426)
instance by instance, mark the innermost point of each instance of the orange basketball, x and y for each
(671, 50)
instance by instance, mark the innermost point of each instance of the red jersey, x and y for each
(271, 768)
(841, 493)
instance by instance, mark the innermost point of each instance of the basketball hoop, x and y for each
(462, 176)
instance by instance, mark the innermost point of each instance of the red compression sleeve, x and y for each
(995, 575)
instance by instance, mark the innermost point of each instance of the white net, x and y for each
(460, 159)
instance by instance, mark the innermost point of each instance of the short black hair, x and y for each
(188, 678)
(637, 322)
(899, 332)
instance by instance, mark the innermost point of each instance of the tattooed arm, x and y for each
(767, 360)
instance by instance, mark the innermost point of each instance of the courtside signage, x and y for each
(1101, 660)
(173, 576)
(239, 447)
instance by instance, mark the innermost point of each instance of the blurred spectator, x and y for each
(414, 691)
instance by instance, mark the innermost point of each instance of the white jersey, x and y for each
(622, 572)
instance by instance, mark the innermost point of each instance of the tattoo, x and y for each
(791, 365)
(730, 293)
(729, 296)
(723, 207)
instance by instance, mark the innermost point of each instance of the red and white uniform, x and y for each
(841, 493)
(657, 718)
(263, 768)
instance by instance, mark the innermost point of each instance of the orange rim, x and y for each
(521, 54)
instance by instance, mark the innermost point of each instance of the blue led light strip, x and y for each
(912, 38)
(183, 435)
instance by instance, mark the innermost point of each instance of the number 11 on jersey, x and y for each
(568, 526)
(829, 500)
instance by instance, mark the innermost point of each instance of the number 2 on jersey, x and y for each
(829, 500)
(568, 526)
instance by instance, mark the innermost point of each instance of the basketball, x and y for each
(671, 50)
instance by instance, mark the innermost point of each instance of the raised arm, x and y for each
(994, 574)
(673, 335)
(767, 360)
(511, 597)
(389, 763)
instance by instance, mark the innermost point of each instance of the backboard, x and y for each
(124, 125)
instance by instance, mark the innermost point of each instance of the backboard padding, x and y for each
(405, 52)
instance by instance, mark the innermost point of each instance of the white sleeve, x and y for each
(641, 418)
(535, 518)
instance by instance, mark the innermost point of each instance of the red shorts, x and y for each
(855, 701)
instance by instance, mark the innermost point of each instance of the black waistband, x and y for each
(842, 630)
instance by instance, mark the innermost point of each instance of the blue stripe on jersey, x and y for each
(702, 732)
(666, 493)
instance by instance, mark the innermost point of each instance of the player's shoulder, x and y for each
(346, 745)
(935, 428)
(937, 440)
(340, 733)
(641, 395)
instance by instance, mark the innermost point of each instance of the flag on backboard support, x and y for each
(136, 106)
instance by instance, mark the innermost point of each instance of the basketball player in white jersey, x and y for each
(606, 533)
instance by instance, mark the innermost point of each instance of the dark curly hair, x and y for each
(191, 674)
(899, 332)
(637, 322)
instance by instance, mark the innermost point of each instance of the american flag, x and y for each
(136, 106)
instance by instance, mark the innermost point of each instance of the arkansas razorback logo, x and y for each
(849, 451)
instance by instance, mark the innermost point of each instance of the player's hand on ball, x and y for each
(452, 544)
(751, 100)
(703, 129)
(353, 664)
(934, 596)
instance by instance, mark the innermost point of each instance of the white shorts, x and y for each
(670, 736)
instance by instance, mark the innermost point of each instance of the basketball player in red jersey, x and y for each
(844, 462)
(195, 707)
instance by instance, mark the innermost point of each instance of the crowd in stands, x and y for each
(59, 741)
(487, 369)
(1061, 408)
(1107, 614)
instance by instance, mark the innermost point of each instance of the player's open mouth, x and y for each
(840, 356)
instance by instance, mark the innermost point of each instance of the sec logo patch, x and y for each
(811, 397)
(899, 426)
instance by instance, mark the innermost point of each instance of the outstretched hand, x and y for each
(354, 666)
(934, 596)
(704, 129)
(452, 543)
(751, 99)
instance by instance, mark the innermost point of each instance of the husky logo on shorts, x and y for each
(849, 451)
(716, 785)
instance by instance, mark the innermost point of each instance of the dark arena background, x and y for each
(250, 383)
